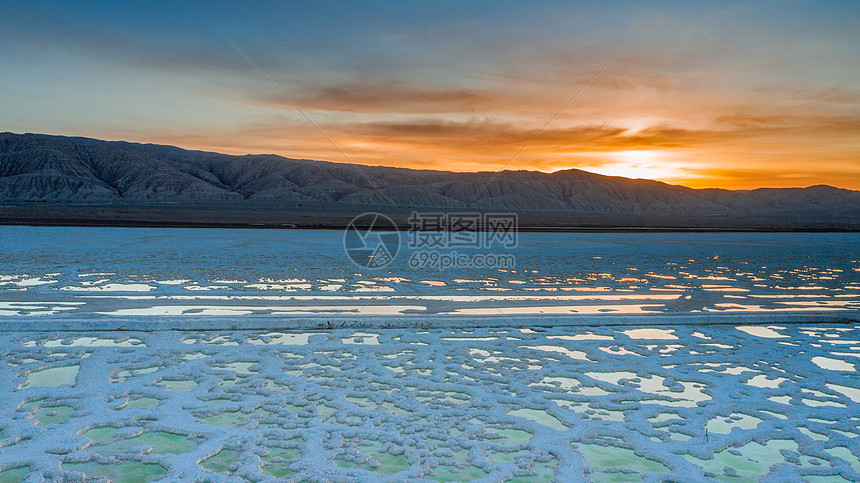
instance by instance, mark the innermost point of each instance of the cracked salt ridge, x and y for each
(436, 405)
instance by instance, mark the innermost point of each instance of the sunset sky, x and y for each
(717, 94)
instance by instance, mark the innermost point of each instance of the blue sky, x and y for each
(733, 94)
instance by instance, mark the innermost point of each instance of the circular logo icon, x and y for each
(371, 240)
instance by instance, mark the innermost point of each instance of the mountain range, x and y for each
(57, 169)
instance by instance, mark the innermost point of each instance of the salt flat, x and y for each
(109, 274)
(226, 355)
(604, 404)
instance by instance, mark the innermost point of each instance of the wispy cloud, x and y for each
(389, 97)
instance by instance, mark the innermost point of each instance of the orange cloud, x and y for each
(750, 153)
(696, 131)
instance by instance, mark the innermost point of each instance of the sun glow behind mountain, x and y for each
(641, 164)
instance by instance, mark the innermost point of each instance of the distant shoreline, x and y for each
(522, 229)
(274, 215)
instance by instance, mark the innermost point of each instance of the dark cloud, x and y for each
(498, 136)
(388, 97)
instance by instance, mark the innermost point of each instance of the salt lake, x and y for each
(226, 355)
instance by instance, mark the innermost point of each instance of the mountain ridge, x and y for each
(46, 168)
